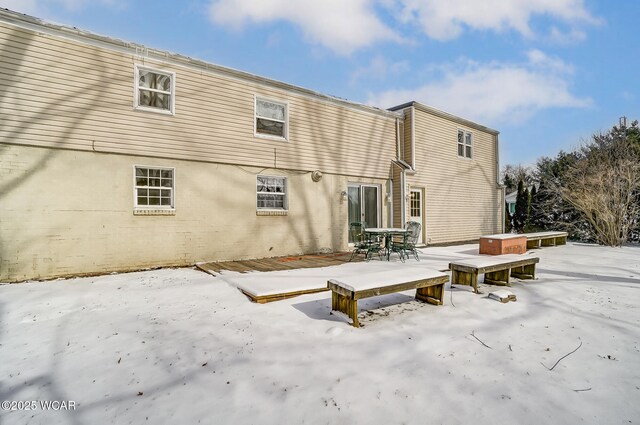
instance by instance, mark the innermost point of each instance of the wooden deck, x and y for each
(280, 263)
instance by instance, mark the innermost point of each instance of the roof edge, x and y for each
(446, 115)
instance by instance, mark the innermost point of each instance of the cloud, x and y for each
(380, 68)
(445, 20)
(565, 38)
(345, 26)
(495, 92)
(541, 61)
(341, 26)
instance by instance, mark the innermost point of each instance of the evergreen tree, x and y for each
(522, 208)
(527, 211)
(539, 217)
(534, 192)
(533, 199)
(558, 214)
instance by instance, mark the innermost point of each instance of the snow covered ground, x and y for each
(182, 347)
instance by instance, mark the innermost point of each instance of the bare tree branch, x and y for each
(479, 340)
(603, 185)
(566, 355)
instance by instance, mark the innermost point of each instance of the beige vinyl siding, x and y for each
(88, 105)
(396, 176)
(462, 200)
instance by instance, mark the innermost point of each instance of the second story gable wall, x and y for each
(462, 199)
(61, 92)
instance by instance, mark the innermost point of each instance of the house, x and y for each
(510, 200)
(115, 156)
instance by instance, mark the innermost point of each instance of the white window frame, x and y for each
(464, 144)
(136, 89)
(137, 207)
(257, 98)
(285, 194)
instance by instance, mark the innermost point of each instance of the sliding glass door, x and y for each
(364, 204)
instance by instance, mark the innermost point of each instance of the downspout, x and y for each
(413, 164)
(390, 204)
(500, 186)
(403, 202)
(399, 139)
(399, 150)
(413, 139)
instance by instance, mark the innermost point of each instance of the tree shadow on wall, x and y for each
(30, 107)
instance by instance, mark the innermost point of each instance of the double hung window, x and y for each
(271, 119)
(271, 193)
(155, 90)
(154, 188)
(465, 141)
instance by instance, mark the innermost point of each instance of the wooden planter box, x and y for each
(503, 244)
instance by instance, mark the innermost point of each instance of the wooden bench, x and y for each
(345, 292)
(497, 270)
(540, 239)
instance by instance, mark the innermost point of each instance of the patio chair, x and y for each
(362, 243)
(407, 244)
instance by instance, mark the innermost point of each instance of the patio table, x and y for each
(387, 233)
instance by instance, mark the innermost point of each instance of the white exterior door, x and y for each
(416, 211)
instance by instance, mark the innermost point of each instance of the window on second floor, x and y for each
(155, 90)
(465, 143)
(271, 119)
